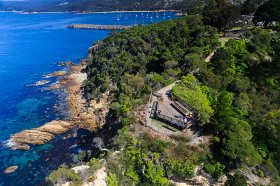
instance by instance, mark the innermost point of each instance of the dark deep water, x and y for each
(31, 45)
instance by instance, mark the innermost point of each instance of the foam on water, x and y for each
(8, 143)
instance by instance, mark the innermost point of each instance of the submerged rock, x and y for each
(11, 169)
(57, 73)
(55, 86)
(40, 83)
(69, 63)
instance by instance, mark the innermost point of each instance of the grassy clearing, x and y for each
(223, 40)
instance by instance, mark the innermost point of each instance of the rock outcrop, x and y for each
(55, 74)
(39, 136)
(68, 63)
(84, 113)
(40, 83)
(11, 169)
(90, 116)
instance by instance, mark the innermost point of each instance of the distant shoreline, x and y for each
(81, 12)
(136, 11)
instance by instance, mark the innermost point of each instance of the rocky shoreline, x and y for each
(83, 114)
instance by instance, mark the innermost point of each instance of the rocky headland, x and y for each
(84, 114)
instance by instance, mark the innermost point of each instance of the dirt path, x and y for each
(209, 57)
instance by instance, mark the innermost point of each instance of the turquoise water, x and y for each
(32, 45)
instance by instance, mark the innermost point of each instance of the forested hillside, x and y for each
(131, 63)
(111, 5)
(236, 94)
(96, 5)
(241, 82)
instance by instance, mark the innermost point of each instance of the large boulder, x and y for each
(11, 169)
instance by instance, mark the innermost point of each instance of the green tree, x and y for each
(237, 143)
(221, 14)
(250, 6)
(197, 7)
(268, 134)
(237, 180)
(112, 180)
(191, 92)
(63, 175)
(155, 174)
(269, 11)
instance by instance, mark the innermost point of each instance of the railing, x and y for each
(153, 110)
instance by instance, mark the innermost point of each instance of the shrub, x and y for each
(63, 175)
(131, 172)
(184, 169)
(95, 164)
(112, 180)
(216, 169)
(158, 145)
(237, 180)
(155, 174)
(181, 138)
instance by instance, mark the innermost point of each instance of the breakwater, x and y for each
(98, 27)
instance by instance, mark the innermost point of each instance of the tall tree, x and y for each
(237, 143)
(221, 14)
(268, 12)
(197, 7)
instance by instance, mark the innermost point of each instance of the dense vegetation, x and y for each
(129, 65)
(236, 94)
(132, 63)
(195, 95)
(96, 5)
(148, 160)
(244, 81)
(268, 12)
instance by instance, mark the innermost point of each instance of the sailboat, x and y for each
(136, 18)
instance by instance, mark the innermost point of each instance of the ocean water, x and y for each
(32, 45)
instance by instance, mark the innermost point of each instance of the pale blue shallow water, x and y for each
(31, 45)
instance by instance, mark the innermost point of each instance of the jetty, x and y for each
(98, 27)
